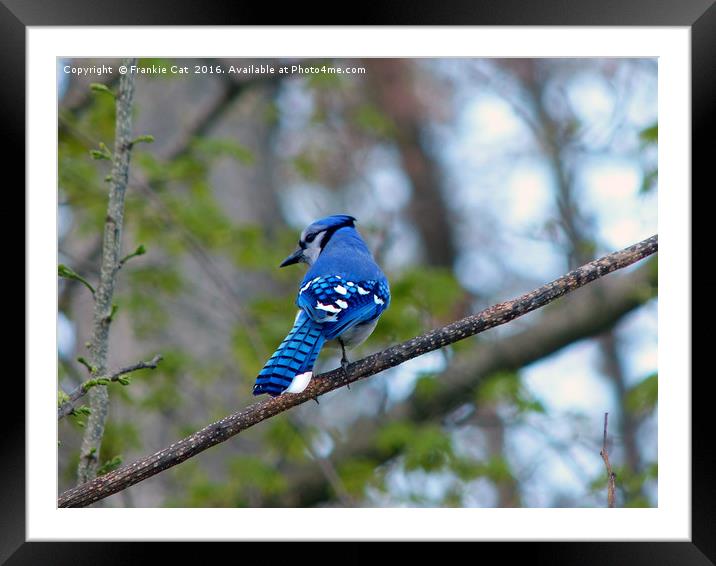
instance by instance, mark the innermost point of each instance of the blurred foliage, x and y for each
(420, 300)
(425, 387)
(324, 79)
(649, 137)
(306, 166)
(373, 121)
(429, 443)
(642, 397)
(213, 148)
(284, 439)
(247, 479)
(508, 389)
(357, 474)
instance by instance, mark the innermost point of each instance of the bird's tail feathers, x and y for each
(291, 367)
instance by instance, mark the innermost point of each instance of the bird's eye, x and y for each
(310, 238)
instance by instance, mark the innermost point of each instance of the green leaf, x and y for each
(141, 250)
(68, 273)
(84, 362)
(96, 154)
(101, 88)
(81, 410)
(109, 465)
(62, 398)
(145, 138)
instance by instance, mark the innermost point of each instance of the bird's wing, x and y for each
(340, 303)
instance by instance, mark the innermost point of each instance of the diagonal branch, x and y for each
(222, 430)
(580, 315)
(67, 405)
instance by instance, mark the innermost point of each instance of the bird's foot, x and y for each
(344, 363)
(344, 367)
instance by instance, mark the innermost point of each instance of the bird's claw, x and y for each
(344, 367)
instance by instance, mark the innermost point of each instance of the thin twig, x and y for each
(139, 251)
(68, 405)
(233, 424)
(611, 476)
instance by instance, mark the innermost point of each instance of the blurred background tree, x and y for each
(472, 180)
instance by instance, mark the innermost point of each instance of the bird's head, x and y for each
(315, 237)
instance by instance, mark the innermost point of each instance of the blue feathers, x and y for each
(341, 298)
(340, 304)
(295, 356)
(335, 221)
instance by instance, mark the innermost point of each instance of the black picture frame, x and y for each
(698, 15)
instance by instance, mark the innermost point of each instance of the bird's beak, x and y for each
(295, 257)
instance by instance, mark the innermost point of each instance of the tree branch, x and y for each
(111, 249)
(231, 425)
(67, 406)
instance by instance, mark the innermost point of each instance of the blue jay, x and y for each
(340, 300)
